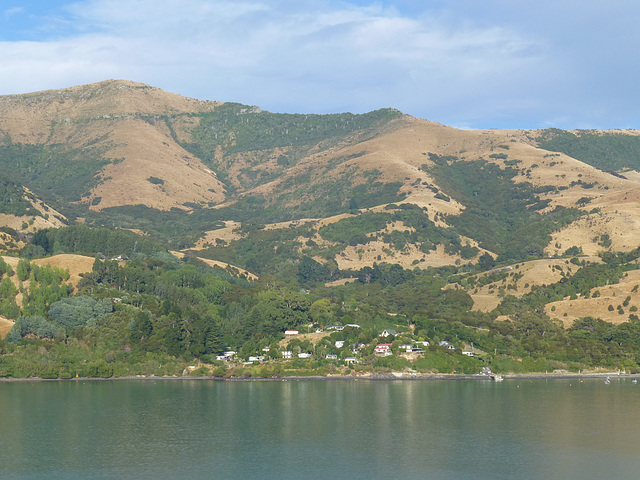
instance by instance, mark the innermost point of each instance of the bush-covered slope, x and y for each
(507, 218)
(609, 152)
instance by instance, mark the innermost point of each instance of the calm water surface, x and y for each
(312, 429)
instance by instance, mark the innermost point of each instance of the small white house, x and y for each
(447, 345)
(388, 332)
(287, 354)
(337, 328)
(304, 355)
(290, 333)
(226, 356)
(339, 343)
(331, 356)
(350, 360)
(383, 350)
(256, 358)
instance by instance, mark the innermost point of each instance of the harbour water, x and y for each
(526, 429)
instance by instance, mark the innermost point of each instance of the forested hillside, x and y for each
(217, 227)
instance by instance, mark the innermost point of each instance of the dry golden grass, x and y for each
(400, 153)
(151, 152)
(534, 273)
(485, 302)
(313, 337)
(316, 222)
(5, 326)
(231, 269)
(13, 262)
(397, 154)
(27, 118)
(76, 264)
(120, 116)
(568, 310)
(38, 223)
(30, 224)
(227, 234)
(360, 256)
(620, 222)
(8, 243)
(341, 281)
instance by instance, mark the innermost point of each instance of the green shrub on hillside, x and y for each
(500, 214)
(605, 151)
(57, 174)
(12, 200)
(240, 128)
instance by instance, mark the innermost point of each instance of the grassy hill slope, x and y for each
(234, 184)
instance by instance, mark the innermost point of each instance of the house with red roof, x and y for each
(383, 350)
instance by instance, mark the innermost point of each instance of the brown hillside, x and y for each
(25, 224)
(230, 269)
(76, 264)
(121, 117)
(5, 326)
(151, 152)
(521, 279)
(28, 118)
(403, 148)
(127, 121)
(604, 306)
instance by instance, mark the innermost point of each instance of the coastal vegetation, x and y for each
(155, 314)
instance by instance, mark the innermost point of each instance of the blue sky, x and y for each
(465, 63)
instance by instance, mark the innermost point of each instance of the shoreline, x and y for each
(381, 377)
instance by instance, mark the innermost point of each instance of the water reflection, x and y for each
(334, 429)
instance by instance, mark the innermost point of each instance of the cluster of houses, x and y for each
(382, 349)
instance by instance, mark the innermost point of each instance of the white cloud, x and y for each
(10, 12)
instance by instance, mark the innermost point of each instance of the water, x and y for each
(320, 430)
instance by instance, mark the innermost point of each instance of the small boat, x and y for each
(634, 381)
(607, 381)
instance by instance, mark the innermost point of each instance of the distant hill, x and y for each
(348, 190)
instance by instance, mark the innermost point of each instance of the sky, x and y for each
(465, 63)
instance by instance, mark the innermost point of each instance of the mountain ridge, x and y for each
(131, 145)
